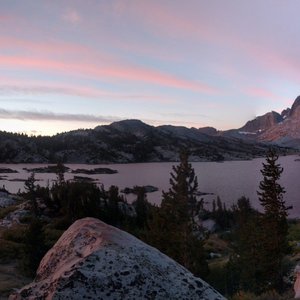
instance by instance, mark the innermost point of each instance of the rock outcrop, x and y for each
(297, 282)
(295, 106)
(272, 128)
(262, 123)
(93, 260)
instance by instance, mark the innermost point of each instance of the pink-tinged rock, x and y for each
(93, 260)
(297, 282)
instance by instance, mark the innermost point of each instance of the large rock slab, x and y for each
(93, 260)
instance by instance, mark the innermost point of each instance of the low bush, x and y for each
(14, 234)
(9, 250)
(6, 210)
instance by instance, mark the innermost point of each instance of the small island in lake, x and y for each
(47, 169)
(84, 179)
(134, 190)
(7, 170)
(95, 171)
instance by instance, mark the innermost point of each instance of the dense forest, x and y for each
(245, 254)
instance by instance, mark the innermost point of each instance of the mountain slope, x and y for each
(262, 123)
(93, 260)
(286, 131)
(125, 142)
(272, 128)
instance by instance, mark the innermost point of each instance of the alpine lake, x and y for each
(229, 180)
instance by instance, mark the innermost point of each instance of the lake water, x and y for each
(230, 180)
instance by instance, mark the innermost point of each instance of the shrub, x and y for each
(6, 210)
(9, 250)
(52, 235)
(14, 234)
(294, 232)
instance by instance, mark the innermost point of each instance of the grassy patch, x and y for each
(294, 232)
(52, 235)
(218, 276)
(14, 234)
(6, 210)
(10, 279)
(269, 295)
(9, 250)
(216, 244)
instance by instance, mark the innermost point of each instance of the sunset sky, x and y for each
(78, 64)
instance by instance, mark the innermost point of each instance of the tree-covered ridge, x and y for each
(126, 141)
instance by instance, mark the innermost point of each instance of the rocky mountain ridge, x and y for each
(128, 141)
(281, 129)
(93, 260)
(261, 123)
(285, 128)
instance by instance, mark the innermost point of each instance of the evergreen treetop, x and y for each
(271, 192)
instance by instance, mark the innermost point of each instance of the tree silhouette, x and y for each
(174, 229)
(30, 188)
(273, 222)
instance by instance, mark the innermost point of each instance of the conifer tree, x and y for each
(273, 222)
(60, 173)
(34, 247)
(142, 207)
(114, 215)
(244, 267)
(173, 229)
(30, 188)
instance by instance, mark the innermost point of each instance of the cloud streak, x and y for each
(104, 72)
(51, 116)
(72, 16)
(16, 88)
(261, 93)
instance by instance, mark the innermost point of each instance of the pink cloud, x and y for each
(72, 16)
(48, 56)
(5, 18)
(103, 72)
(275, 62)
(31, 87)
(180, 24)
(51, 48)
(262, 93)
(164, 19)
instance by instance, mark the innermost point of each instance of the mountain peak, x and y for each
(295, 106)
(262, 123)
(130, 122)
(132, 126)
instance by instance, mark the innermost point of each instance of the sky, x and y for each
(75, 64)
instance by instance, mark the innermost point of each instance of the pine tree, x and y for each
(173, 229)
(60, 173)
(273, 222)
(34, 247)
(142, 207)
(30, 188)
(114, 214)
(244, 267)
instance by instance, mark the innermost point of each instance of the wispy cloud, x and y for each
(51, 116)
(184, 115)
(262, 93)
(72, 16)
(49, 48)
(100, 71)
(21, 88)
